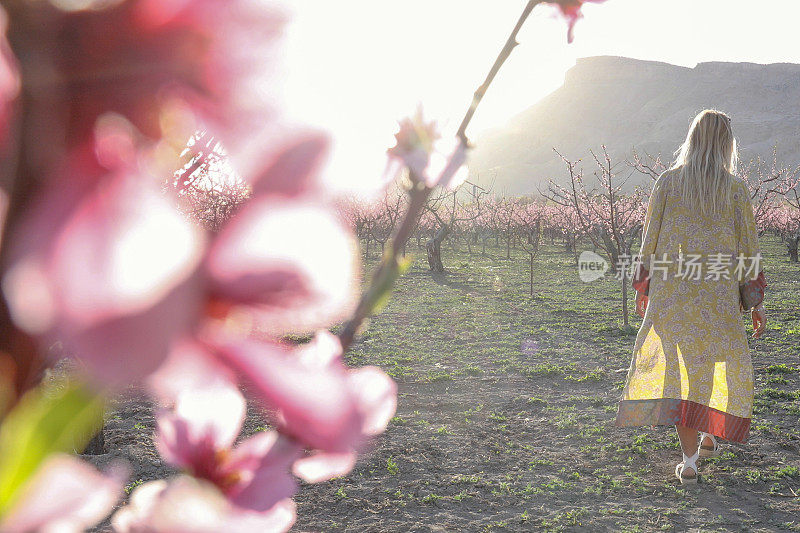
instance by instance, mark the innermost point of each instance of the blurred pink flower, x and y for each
(200, 405)
(415, 142)
(430, 159)
(316, 399)
(65, 495)
(155, 61)
(294, 169)
(189, 505)
(253, 475)
(202, 416)
(290, 265)
(571, 9)
(102, 257)
(102, 260)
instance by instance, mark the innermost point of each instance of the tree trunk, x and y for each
(625, 298)
(434, 249)
(612, 249)
(792, 246)
(531, 255)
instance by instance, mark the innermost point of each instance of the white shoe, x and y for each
(688, 462)
(706, 451)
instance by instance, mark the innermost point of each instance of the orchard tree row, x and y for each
(592, 208)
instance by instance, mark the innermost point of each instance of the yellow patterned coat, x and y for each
(691, 363)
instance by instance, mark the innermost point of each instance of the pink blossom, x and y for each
(190, 505)
(198, 394)
(197, 427)
(290, 266)
(571, 9)
(155, 61)
(316, 399)
(293, 170)
(102, 257)
(65, 495)
(102, 260)
(415, 143)
(430, 159)
(253, 475)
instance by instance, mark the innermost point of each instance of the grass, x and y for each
(132, 485)
(507, 401)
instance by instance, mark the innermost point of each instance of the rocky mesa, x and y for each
(627, 103)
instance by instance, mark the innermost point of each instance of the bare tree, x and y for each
(451, 208)
(610, 218)
(207, 188)
(529, 225)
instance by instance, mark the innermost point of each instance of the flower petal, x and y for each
(322, 466)
(100, 260)
(314, 405)
(203, 414)
(292, 265)
(209, 59)
(66, 494)
(377, 397)
(293, 170)
(9, 79)
(571, 9)
(262, 463)
(188, 505)
(181, 505)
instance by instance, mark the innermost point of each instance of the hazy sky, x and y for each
(356, 66)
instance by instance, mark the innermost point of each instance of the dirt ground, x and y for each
(506, 409)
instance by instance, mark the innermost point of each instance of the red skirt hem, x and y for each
(670, 411)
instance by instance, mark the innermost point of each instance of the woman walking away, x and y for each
(698, 269)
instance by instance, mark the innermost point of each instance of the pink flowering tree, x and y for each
(610, 218)
(507, 220)
(767, 182)
(649, 165)
(484, 225)
(784, 221)
(101, 103)
(563, 220)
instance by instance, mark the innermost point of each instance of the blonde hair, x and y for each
(706, 162)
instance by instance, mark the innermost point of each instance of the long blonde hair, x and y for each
(706, 162)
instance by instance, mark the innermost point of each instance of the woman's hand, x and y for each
(759, 321)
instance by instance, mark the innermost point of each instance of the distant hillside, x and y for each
(625, 103)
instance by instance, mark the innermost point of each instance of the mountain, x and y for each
(628, 103)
